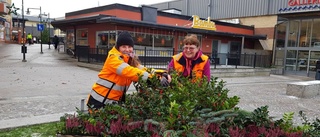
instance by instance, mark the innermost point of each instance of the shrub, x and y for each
(186, 108)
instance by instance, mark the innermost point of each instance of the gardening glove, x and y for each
(167, 76)
(164, 82)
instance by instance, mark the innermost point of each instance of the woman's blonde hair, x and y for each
(191, 39)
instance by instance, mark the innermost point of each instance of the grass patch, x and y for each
(39, 130)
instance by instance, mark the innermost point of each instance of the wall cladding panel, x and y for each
(276, 5)
(224, 9)
(180, 5)
(216, 9)
(238, 8)
(161, 6)
(198, 7)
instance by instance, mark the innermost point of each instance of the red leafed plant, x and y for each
(186, 108)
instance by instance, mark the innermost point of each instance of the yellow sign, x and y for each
(203, 24)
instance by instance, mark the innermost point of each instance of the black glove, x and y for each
(165, 75)
(164, 82)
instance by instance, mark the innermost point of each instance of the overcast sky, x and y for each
(58, 8)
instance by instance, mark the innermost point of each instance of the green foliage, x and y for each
(186, 108)
(43, 130)
(45, 35)
(286, 122)
(309, 128)
(260, 116)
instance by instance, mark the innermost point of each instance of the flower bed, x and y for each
(190, 109)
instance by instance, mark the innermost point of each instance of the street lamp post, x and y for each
(40, 16)
(49, 23)
(24, 48)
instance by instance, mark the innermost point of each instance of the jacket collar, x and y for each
(183, 62)
(114, 51)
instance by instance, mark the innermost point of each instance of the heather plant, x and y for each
(194, 108)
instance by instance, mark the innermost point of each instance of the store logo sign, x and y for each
(301, 6)
(203, 24)
(302, 2)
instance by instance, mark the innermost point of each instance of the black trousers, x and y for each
(55, 45)
(29, 41)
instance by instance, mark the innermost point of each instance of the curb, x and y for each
(20, 122)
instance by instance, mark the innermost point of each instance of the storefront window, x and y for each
(303, 60)
(163, 41)
(314, 56)
(112, 38)
(293, 33)
(106, 39)
(82, 37)
(291, 60)
(102, 39)
(281, 35)
(70, 39)
(7, 31)
(235, 47)
(2, 32)
(279, 56)
(305, 33)
(315, 40)
(142, 40)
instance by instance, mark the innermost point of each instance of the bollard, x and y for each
(226, 62)
(82, 105)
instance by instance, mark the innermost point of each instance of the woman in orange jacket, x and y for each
(120, 69)
(191, 62)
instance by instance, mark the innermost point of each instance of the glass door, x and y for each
(291, 60)
(302, 64)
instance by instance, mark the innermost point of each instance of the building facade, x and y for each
(5, 21)
(291, 26)
(30, 27)
(153, 29)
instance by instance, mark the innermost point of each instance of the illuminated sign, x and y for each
(203, 24)
(301, 6)
(302, 2)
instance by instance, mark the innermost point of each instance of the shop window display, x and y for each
(70, 39)
(82, 37)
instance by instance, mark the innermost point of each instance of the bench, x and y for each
(305, 89)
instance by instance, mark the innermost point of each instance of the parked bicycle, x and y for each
(70, 52)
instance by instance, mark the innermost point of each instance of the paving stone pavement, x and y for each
(255, 92)
(51, 84)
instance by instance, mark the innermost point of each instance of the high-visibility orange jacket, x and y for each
(179, 64)
(114, 79)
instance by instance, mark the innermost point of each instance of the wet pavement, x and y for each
(51, 84)
(47, 85)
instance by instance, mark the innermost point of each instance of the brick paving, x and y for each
(51, 84)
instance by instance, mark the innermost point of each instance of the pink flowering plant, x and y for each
(186, 108)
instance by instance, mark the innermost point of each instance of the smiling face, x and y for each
(126, 49)
(191, 46)
(190, 51)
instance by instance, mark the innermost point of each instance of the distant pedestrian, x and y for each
(55, 41)
(34, 40)
(29, 38)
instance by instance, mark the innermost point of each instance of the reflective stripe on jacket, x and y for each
(114, 79)
(196, 68)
